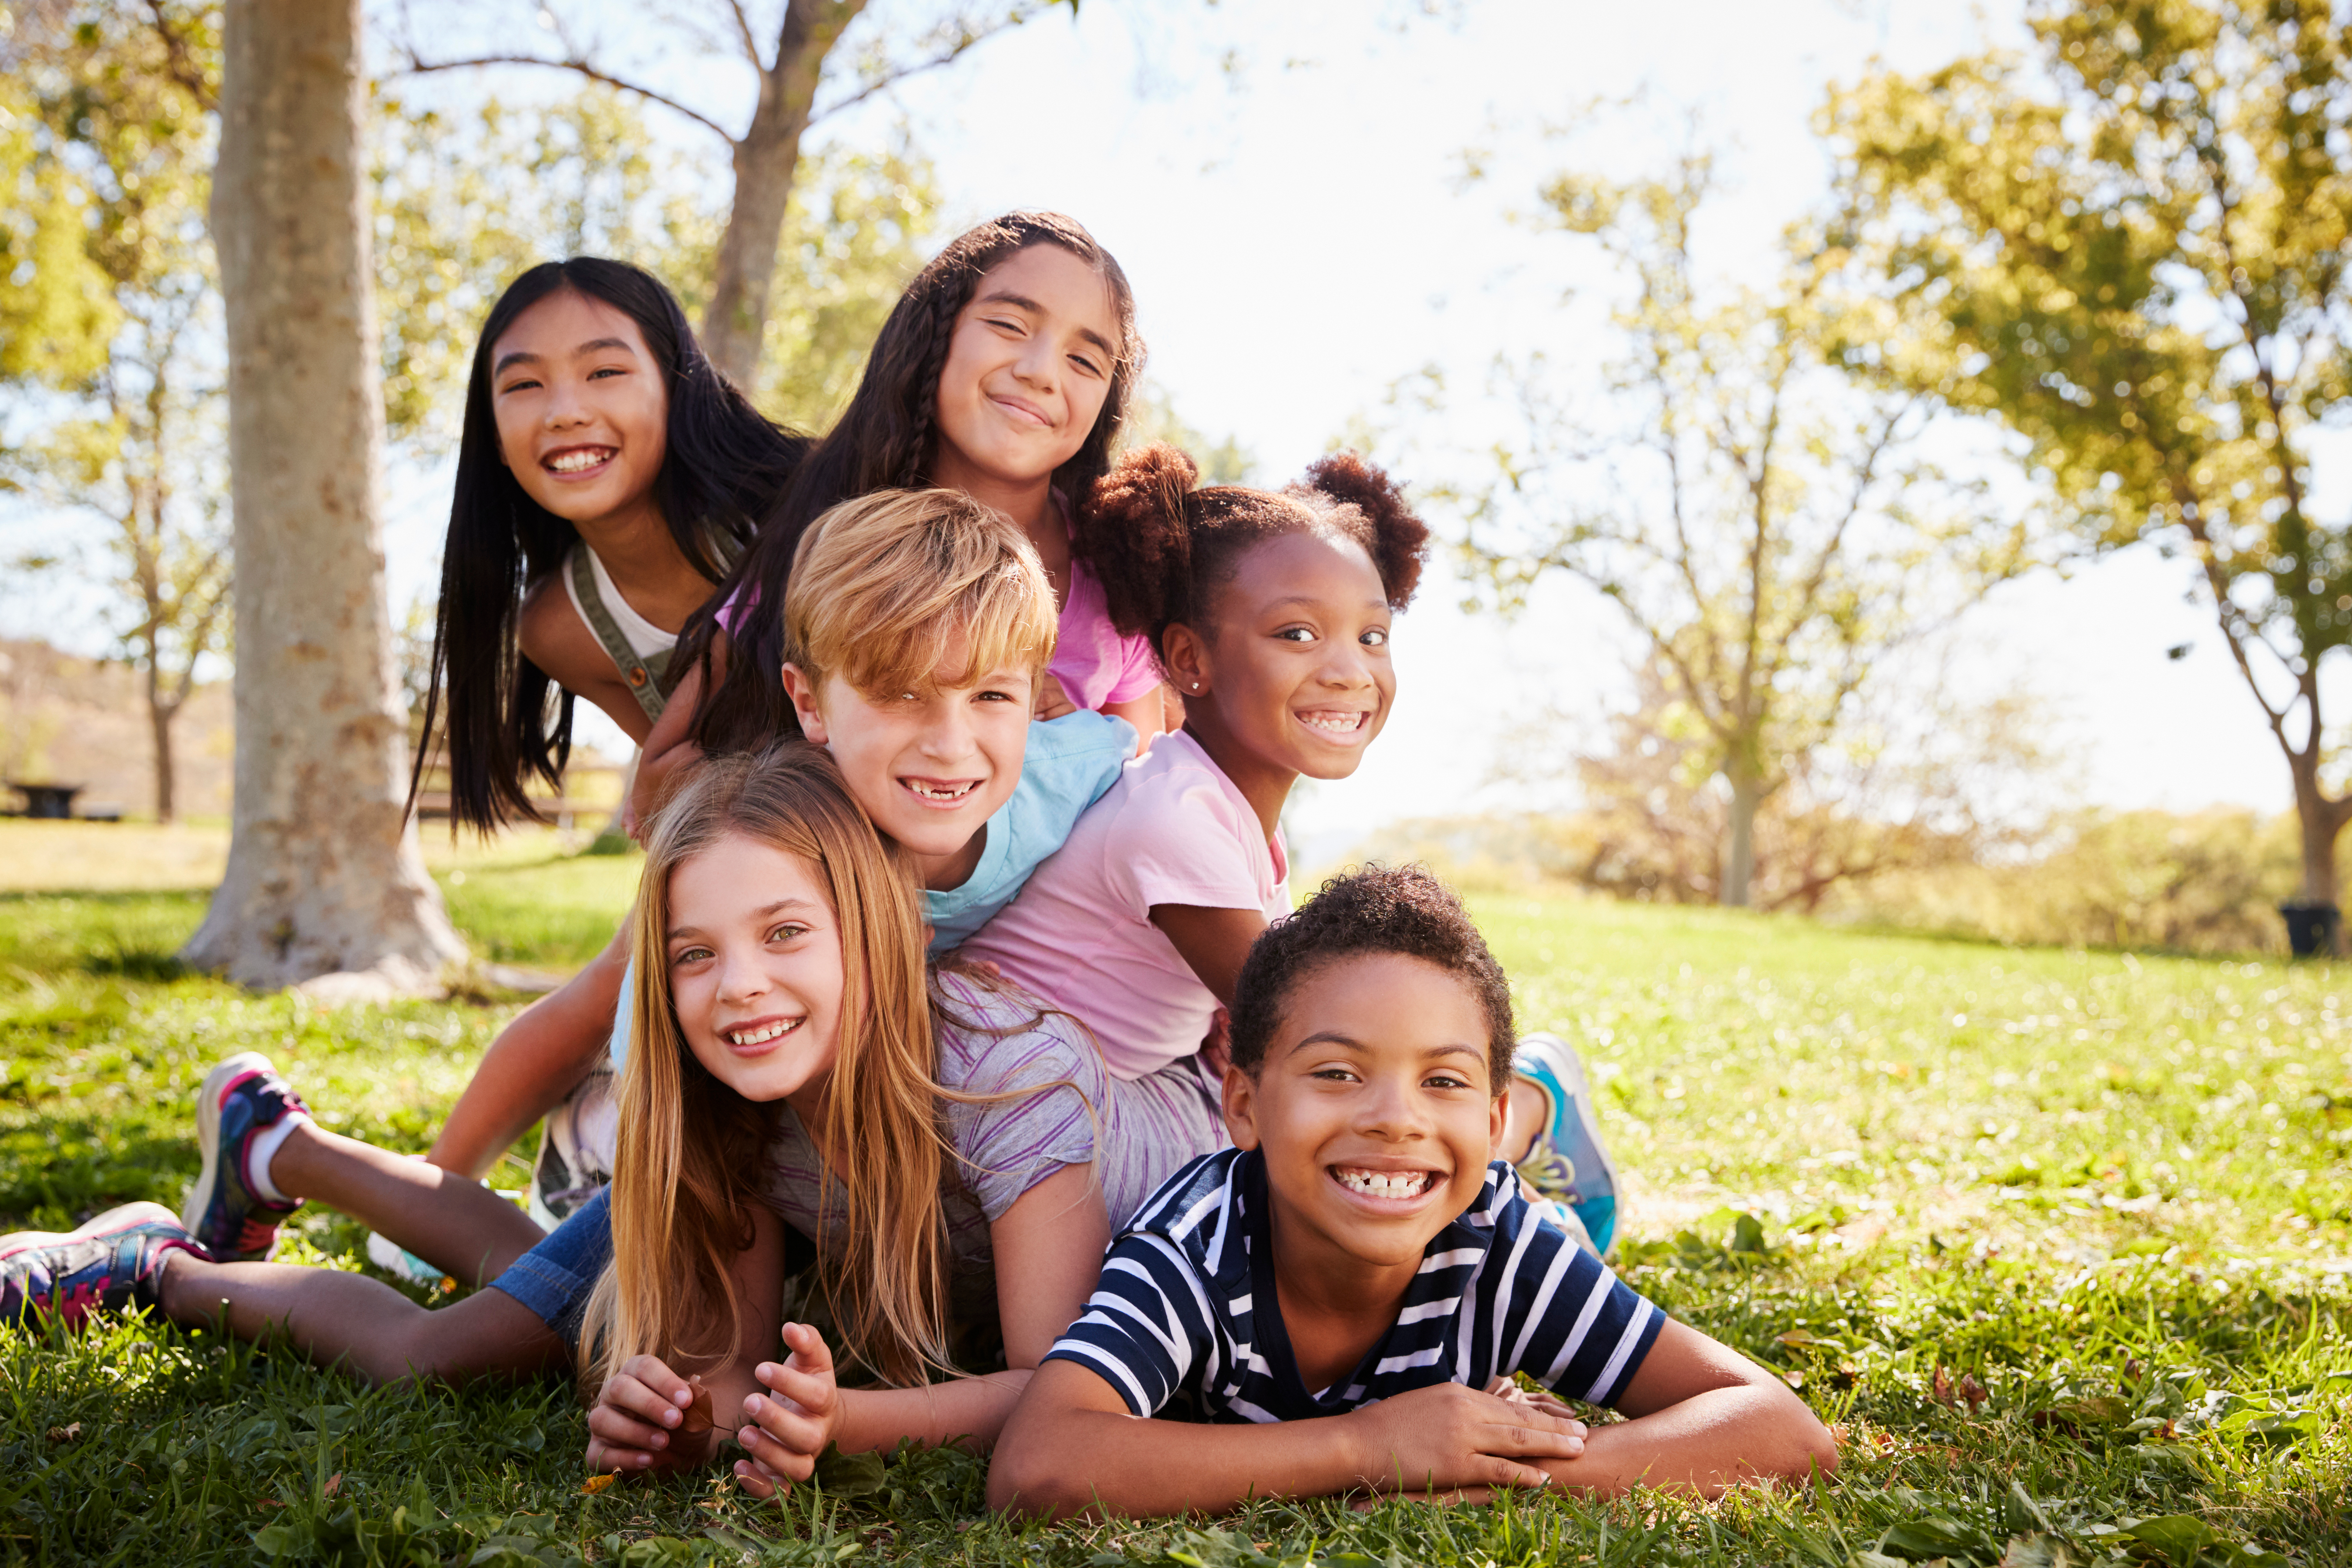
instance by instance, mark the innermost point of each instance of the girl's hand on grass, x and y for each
(1448, 1438)
(785, 1434)
(635, 1424)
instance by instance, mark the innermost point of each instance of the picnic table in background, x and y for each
(46, 800)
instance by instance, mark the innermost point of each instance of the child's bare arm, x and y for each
(1072, 1447)
(1146, 712)
(1705, 1419)
(1212, 941)
(534, 1062)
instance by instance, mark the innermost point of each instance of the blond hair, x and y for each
(690, 1149)
(886, 587)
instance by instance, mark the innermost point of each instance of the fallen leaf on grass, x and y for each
(699, 1417)
(596, 1484)
(68, 1434)
(269, 1502)
(334, 1484)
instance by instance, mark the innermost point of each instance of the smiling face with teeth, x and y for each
(582, 413)
(930, 767)
(1289, 673)
(1375, 1110)
(755, 970)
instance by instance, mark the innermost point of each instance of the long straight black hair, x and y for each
(886, 440)
(508, 722)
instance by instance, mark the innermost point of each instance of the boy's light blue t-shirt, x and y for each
(1070, 763)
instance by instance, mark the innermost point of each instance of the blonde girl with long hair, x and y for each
(793, 1061)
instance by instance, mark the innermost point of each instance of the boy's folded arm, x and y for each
(1072, 1447)
(1705, 1419)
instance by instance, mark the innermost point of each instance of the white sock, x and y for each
(263, 1149)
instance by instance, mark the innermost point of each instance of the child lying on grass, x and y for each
(1346, 1294)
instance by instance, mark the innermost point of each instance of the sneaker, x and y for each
(1568, 1158)
(575, 1150)
(241, 1097)
(113, 1263)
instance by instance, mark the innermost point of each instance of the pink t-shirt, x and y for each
(1173, 830)
(1096, 666)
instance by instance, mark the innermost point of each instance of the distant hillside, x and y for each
(69, 720)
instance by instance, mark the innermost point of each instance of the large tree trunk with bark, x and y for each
(323, 876)
(1739, 851)
(736, 320)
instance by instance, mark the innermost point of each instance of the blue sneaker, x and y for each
(113, 1263)
(241, 1097)
(1568, 1158)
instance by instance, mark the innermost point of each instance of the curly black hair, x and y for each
(1163, 547)
(1379, 909)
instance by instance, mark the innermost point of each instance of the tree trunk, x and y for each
(735, 323)
(323, 871)
(1739, 854)
(160, 716)
(2321, 820)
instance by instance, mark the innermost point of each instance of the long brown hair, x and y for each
(887, 439)
(687, 1171)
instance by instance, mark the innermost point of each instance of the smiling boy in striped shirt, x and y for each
(1341, 1299)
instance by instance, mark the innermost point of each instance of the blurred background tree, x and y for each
(2130, 241)
(109, 326)
(1772, 532)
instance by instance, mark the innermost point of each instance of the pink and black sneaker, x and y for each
(112, 1264)
(241, 1099)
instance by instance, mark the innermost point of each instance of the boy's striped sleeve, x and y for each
(1147, 1325)
(1582, 1331)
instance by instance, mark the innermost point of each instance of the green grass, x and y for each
(2063, 1241)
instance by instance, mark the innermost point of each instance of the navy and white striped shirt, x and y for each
(1186, 1306)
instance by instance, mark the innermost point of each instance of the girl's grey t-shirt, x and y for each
(990, 1042)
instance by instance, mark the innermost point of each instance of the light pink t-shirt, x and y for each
(1173, 830)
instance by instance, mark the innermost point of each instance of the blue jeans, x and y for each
(554, 1277)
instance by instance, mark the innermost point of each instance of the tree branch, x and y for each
(181, 61)
(416, 67)
(891, 79)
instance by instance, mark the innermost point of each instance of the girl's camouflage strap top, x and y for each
(649, 674)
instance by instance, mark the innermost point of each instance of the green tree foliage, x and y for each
(465, 201)
(2131, 242)
(1772, 530)
(108, 337)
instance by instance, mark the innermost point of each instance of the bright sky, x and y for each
(1299, 237)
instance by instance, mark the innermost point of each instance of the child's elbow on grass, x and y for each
(1018, 1483)
(1809, 1447)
